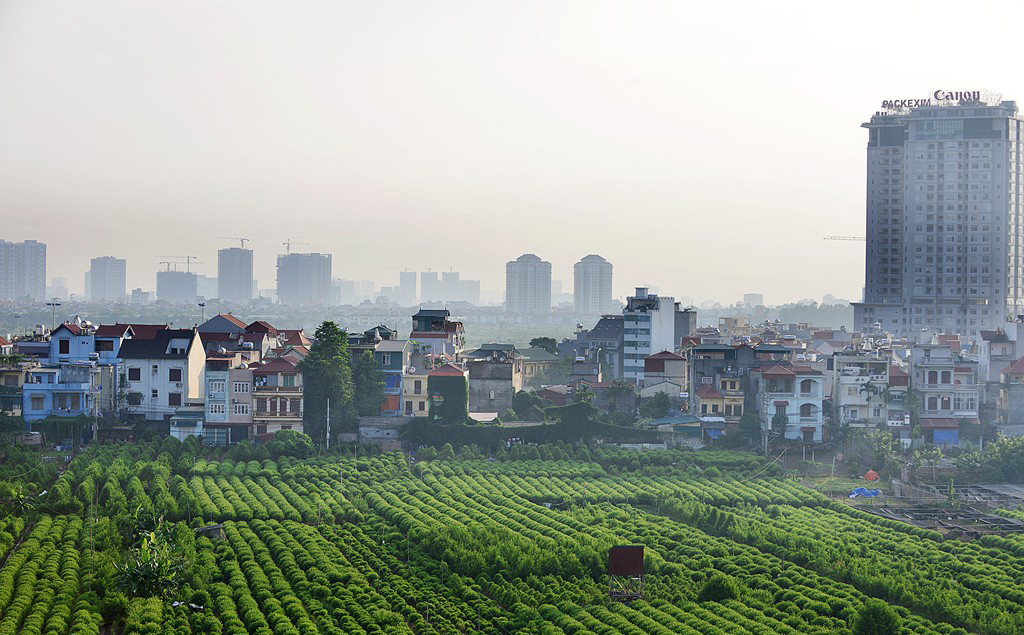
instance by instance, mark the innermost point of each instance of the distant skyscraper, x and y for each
(430, 287)
(177, 287)
(753, 299)
(592, 286)
(406, 288)
(22, 270)
(206, 286)
(58, 288)
(234, 275)
(106, 279)
(304, 279)
(528, 285)
(945, 219)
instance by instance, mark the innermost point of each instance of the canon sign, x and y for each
(937, 97)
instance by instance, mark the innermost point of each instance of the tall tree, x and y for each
(368, 385)
(547, 343)
(327, 375)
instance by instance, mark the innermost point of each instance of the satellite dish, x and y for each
(412, 369)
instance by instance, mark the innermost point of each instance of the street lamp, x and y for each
(53, 311)
(202, 305)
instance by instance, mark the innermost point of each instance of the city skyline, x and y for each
(503, 141)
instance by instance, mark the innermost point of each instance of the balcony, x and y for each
(277, 389)
(277, 415)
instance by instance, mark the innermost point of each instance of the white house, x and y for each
(796, 392)
(162, 373)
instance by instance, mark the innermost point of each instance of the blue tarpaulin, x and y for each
(864, 492)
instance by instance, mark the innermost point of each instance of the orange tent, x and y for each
(871, 476)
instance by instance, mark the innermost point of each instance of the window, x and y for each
(261, 404)
(174, 374)
(240, 386)
(37, 402)
(288, 380)
(216, 408)
(241, 409)
(293, 405)
(417, 387)
(10, 381)
(714, 408)
(706, 381)
(703, 408)
(385, 359)
(64, 347)
(490, 394)
(286, 427)
(155, 394)
(807, 386)
(262, 429)
(174, 399)
(104, 346)
(408, 407)
(423, 406)
(216, 386)
(134, 374)
(946, 377)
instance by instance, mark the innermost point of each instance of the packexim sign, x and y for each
(937, 98)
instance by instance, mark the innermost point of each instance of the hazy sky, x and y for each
(705, 148)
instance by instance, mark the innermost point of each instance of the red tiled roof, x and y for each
(260, 326)
(139, 331)
(896, 371)
(112, 330)
(3, 341)
(448, 370)
(707, 391)
(278, 365)
(776, 371)
(73, 328)
(298, 339)
(781, 402)
(665, 355)
(1016, 368)
(940, 424)
(230, 318)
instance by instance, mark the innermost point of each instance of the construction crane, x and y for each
(288, 245)
(169, 263)
(189, 261)
(241, 240)
(860, 238)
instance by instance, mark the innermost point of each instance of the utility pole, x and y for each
(328, 423)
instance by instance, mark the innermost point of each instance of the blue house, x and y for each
(392, 357)
(79, 376)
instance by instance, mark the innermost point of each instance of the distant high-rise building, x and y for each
(58, 288)
(234, 275)
(528, 285)
(945, 219)
(106, 279)
(753, 299)
(406, 288)
(22, 270)
(177, 287)
(430, 287)
(304, 279)
(139, 296)
(206, 286)
(592, 286)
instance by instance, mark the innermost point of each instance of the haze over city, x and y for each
(694, 146)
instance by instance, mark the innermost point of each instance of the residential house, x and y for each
(796, 392)
(665, 372)
(859, 382)
(536, 360)
(719, 377)
(584, 371)
(605, 340)
(434, 328)
(393, 359)
(161, 374)
(1011, 395)
(949, 392)
(277, 396)
(651, 323)
(495, 375)
(228, 413)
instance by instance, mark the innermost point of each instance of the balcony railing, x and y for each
(262, 413)
(277, 389)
